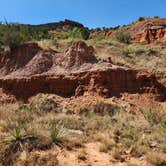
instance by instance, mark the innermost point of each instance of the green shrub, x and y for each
(151, 51)
(123, 37)
(126, 51)
(139, 51)
(141, 18)
(11, 36)
(58, 131)
(24, 107)
(80, 33)
(85, 33)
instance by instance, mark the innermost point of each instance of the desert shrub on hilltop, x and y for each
(13, 35)
(141, 18)
(81, 33)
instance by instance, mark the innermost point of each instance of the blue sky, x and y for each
(92, 13)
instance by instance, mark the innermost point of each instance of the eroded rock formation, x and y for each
(73, 73)
(149, 31)
(152, 34)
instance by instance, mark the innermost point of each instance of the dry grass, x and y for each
(118, 132)
(117, 154)
(82, 155)
(156, 159)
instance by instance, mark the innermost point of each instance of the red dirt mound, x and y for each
(78, 54)
(29, 59)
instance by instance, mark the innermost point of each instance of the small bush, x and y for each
(139, 51)
(103, 108)
(151, 51)
(24, 107)
(141, 18)
(80, 33)
(58, 131)
(16, 133)
(123, 37)
(43, 103)
(155, 115)
(126, 51)
(11, 36)
(156, 17)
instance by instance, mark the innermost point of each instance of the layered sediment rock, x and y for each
(74, 73)
(106, 83)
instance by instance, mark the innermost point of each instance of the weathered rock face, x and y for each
(151, 32)
(111, 82)
(18, 58)
(152, 35)
(101, 78)
(79, 54)
(76, 55)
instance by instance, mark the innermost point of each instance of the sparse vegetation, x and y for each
(11, 35)
(155, 115)
(43, 103)
(58, 131)
(47, 126)
(79, 33)
(123, 37)
(118, 132)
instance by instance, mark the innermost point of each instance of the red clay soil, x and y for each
(29, 70)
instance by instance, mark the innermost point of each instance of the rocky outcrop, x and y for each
(149, 31)
(74, 73)
(106, 83)
(76, 55)
(152, 34)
